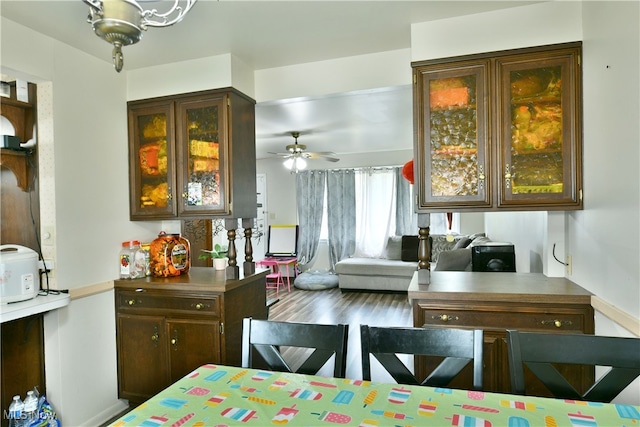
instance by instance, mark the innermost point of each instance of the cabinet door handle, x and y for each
(481, 177)
(174, 340)
(507, 176)
(444, 317)
(155, 336)
(557, 323)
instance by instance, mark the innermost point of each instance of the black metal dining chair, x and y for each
(538, 351)
(267, 338)
(459, 347)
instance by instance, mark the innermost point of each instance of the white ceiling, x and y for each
(266, 34)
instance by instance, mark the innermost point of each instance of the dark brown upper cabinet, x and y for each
(193, 156)
(499, 131)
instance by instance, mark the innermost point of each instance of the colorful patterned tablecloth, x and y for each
(217, 395)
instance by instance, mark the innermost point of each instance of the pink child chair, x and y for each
(274, 279)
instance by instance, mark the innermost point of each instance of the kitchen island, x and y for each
(496, 302)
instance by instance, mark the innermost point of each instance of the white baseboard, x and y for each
(107, 414)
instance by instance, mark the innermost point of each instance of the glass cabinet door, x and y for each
(202, 154)
(152, 161)
(452, 155)
(539, 135)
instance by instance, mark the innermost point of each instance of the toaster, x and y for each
(19, 274)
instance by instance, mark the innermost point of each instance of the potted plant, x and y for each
(218, 255)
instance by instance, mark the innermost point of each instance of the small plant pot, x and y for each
(219, 263)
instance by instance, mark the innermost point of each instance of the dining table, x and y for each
(219, 395)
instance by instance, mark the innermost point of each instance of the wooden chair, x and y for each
(267, 337)
(459, 347)
(538, 350)
(274, 279)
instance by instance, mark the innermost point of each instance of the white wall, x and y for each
(601, 237)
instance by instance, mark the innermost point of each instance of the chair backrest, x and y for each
(266, 337)
(267, 263)
(459, 347)
(538, 350)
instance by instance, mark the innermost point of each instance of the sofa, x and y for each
(394, 271)
(391, 273)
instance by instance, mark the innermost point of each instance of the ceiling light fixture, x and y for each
(295, 164)
(121, 22)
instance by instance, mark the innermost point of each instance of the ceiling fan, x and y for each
(296, 155)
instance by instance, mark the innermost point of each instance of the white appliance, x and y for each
(19, 274)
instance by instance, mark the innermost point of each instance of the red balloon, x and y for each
(407, 171)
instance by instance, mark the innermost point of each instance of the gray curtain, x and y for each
(341, 214)
(310, 187)
(406, 218)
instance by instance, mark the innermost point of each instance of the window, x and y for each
(376, 212)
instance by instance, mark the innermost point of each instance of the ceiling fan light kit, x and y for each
(296, 155)
(295, 164)
(121, 22)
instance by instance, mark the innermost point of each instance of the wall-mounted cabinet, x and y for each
(499, 131)
(193, 156)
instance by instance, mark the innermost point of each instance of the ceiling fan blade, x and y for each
(286, 155)
(327, 155)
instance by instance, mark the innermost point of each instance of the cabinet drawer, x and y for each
(562, 320)
(142, 301)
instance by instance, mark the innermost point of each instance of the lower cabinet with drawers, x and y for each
(495, 302)
(167, 327)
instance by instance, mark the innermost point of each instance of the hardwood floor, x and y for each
(353, 308)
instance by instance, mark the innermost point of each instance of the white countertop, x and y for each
(39, 304)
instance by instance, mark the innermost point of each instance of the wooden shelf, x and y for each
(16, 162)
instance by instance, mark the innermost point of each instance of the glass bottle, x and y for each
(130, 260)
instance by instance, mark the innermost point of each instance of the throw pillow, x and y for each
(462, 243)
(394, 248)
(479, 241)
(455, 260)
(439, 244)
(410, 248)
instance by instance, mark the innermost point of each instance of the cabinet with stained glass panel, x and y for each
(452, 152)
(192, 156)
(499, 130)
(539, 133)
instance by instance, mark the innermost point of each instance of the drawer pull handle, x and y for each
(444, 317)
(200, 305)
(131, 302)
(557, 323)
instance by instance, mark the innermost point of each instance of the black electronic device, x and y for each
(496, 257)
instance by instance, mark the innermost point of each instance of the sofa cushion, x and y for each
(393, 249)
(462, 243)
(375, 267)
(454, 260)
(410, 248)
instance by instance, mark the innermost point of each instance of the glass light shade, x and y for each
(295, 164)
